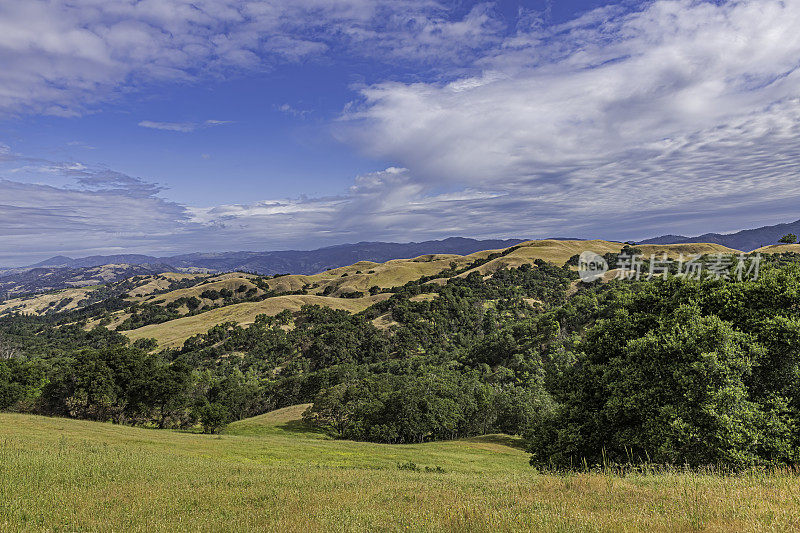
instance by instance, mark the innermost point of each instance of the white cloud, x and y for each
(293, 111)
(61, 57)
(183, 127)
(681, 117)
(680, 103)
(98, 215)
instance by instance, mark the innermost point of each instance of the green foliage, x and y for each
(213, 417)
(210, 294)
(674, 370)
(147, 313)
(681, 372)
(19, 383)
(789, 238)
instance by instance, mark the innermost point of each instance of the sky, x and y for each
(172, 126)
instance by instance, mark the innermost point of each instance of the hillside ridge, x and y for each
(746, 240)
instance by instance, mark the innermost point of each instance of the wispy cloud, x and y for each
(679, 115)
(293, 111)
(681, 103)
(80, 144)
(62, 57)
(97, 211)
(184, 127)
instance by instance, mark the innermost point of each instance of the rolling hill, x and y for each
(174, 333)
(63, 272)
(746, 240)
(352, 288)
(18, 282)
(288, 261)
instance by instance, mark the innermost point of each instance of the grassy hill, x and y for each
(175, 332)
(779, 249)
(137, 287)
(326, 288)
(271, 473)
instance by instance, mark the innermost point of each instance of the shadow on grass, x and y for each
(500, 439)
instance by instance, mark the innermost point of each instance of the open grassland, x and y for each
(779, 249)
(337, 282)
(552, 251)
(673, 251)
(153, 284)
(363, 275)
(41, 303)
(175, 332)
(232, 283)
(271, 473)
(144, 286)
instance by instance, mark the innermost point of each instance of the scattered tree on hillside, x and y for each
(7, 351)
(677, 370)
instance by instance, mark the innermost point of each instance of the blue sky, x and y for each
(172, 126)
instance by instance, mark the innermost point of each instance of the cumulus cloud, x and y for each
(678, 103)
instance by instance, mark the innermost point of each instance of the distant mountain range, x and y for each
(289, 261)
(745, 240)
(62, 272)
(14, 282)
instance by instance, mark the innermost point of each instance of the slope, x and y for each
(175, 332)
(61, 474)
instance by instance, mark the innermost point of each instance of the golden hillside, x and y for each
(673, 251)
(325, 288)
(41, 303)
(141, 287)
(175, 332)
(779, 249)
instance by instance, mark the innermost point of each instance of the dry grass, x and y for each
(365, 274)
(424, 297)
(553, 251)
(385, 321)
(272, 474)
(779, 249)
(228, 282)
(161, 282)
(37, 305)
(674, 250)
(175, 332)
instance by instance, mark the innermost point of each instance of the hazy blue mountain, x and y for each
(61, 261)
(15, 282)
(745, 240)
(290, 261)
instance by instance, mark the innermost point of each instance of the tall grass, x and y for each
(67, 475)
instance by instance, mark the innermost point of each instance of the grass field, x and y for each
(271, 473)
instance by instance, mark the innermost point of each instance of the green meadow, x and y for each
(273, 473)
